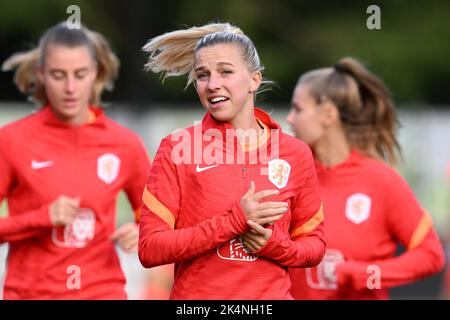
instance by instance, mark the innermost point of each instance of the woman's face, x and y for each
(306, 117)
(68, 75)
(224, 83)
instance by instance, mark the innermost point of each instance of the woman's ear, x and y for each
(255, 81)
(330, 113)
(95, 70)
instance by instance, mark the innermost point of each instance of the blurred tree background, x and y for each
(410, 52)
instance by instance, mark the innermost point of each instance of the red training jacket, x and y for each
(42, 158)
(369, 209)
(191, 214)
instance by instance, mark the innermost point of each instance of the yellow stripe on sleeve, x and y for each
(137, 215)
(155, 206)
(421, 231)
(309, 225)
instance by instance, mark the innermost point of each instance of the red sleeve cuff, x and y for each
(238, 219)
(42, 217)
(269, 249)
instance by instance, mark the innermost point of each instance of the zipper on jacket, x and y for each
(75, 157)
(244, 177)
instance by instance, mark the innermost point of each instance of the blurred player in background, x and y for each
(158, 283)
(446, 284)
(61, 170)
(345, 114)
(232, 225)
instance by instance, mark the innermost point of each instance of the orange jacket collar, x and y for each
(96, 117)
(209, 122)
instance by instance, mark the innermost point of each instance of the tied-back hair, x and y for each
(173, 53)
(364, 104)
(27, 64)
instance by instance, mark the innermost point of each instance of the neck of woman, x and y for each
(332, 149)
(247, 128)
(76, 120)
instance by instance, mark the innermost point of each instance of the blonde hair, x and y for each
(172, 54)
(364, 104)
(27, 64)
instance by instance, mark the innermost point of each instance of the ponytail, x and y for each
(365, 106)
(25, 78)
(173, 53)
(107, 65)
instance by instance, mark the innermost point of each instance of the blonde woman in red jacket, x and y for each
(61, 170)
(232, 201)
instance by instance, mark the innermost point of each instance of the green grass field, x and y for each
(3, 209)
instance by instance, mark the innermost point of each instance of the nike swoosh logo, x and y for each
(201, 169)
(41, 164)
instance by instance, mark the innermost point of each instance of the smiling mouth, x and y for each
(217, 100)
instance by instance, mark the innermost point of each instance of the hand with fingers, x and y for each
(127, 236)
(257, 237)
(63, 210)
(262, 213)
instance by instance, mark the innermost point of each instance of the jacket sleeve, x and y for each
(160, 242)
(304, 245)
(140, 165)
(23, 225)
(411, 226)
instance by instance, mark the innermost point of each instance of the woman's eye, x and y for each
(80, 75)
(296, 109)
(57, 75)
(227, 72)
(201, 76)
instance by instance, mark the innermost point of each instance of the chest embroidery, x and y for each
(278, 172)
(235, 250)
(108, 167)
(79, 233)
(324, 275)
(357, 208)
